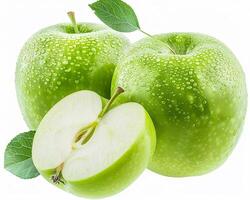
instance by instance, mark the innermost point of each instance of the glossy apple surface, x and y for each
(56, 62)
(196, 97)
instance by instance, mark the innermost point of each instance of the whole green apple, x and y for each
(84, 148)
(196, 97)
(56, 61)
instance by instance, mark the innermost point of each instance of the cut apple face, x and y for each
(84, 147)
(55, 136)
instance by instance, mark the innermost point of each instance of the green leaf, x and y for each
(17, 157)
(116, 14)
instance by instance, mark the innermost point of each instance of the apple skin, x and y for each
(196, 98)
(56, 62)
(118, 176)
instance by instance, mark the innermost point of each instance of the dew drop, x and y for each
(65, 62)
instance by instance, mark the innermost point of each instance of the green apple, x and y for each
(88, 152)
(195, 96)
(56, 61)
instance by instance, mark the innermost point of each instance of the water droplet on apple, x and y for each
(67, 70)
(65, 62)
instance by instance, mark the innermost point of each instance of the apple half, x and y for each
(89, 151)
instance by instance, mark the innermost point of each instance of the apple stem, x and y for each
(84, 135)
(72, 18)
(151, 36)
(118, 91)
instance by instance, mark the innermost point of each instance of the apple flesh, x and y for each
(196, 98)
(56, 62)
(118, 151)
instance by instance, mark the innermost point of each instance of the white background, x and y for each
(228, 20)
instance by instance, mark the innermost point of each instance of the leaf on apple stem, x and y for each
(17, 156)
(121, 17)
(116, 14)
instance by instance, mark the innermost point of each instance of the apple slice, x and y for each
(89, 151)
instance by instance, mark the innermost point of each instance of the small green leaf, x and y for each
(17, 157)
(116, 14)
